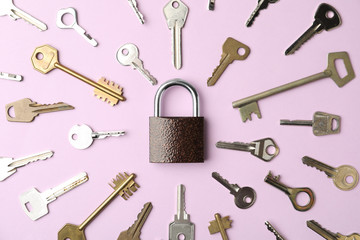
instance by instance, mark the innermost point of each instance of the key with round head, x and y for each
(74, 25)
(82, 136)
(220, 225)
(176, 12)
(231, 50)
(274, 231)
(128, 55)
(326, 18)
(133, 5)
(345, 177)
(262, 4)
(11, 76)
(316, 227)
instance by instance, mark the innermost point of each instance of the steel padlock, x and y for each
(176, 139)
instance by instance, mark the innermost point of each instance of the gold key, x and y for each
(26, 110)
(316, 227)
(124, 185)
(220, 225)
(45, 59)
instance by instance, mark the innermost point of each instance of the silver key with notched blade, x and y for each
(262, 4)
(133, 5)
(274, 231)
(10, 76)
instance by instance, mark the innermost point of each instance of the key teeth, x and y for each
(274, 231)
(128, 190)
(318, 225)
(308, 161)
(105, 97)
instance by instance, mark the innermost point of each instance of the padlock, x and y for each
(176, 139)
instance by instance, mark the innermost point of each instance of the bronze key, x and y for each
(45, 59)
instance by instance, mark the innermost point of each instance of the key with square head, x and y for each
(341, 175)
(8, 166)
(128, 55)
(133, 232)
(176, 13)
(7, 7)
(74, 25)
(123, 185)
(259, 148)
(262, 4)
(220, 225)
(249, 105)
(231, 50)
(11, 76)
(316, 227)
(292, 192)
(35, 203)
(181, 227)
(45, 59)
(133, 5)
(26, 110)
(244, 197)
(326, 18)
(274, 231)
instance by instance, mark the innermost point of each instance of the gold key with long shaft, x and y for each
(123, 185)
(45, 58)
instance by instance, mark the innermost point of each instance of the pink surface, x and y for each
(113, 24)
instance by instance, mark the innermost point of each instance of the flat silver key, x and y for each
(181, 228)
(262, 4)
(7, 7)
(128, 55)
(74, 25)
(259, 148)
(10, 76)
(35, 203)
(82, 136)
(133, 5)
(274, 231)
(8, 166)
(176, 13)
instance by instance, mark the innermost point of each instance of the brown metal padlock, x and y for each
(176, 139)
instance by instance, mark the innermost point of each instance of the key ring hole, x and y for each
(68, 19)
(39, 56)
(349, 179)
(28, 206)
(125, 52)
(241, 51)
(334, 124)
(181, 237)
(11, 112)
(271, 150)
(175, 4)
(329, 14)
(74, 136)
(247, 199)
(302, 199)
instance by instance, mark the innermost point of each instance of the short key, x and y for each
(128, 55)
(38, 201)
(230, 51)
(244, 197)
(133, 5)
(220, 225)
(249, 105)
(11, 76)
(326, 17)
(316, 227)
(262, 4)
(82, 136)
(340, 175)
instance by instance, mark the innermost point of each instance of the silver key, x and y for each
(74, 25)
(259, 148)
(274, 231)
(10, 76)
(35, 203)
(133, 5)
(176, 13)
(181, 228)
(262, 4)
(8, 166)
(82, 136)
(128, 55)
(7, 7)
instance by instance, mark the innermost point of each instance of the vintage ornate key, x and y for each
(249, 105)
(316, 227)
(274, 231)
(220, 225)
(45, 59)
(341, 175)
(11, 76)
(262, 4)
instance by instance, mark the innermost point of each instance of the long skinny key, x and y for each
(316, 227)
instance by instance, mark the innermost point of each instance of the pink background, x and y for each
(113, 24)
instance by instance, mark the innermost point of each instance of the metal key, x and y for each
(181, 228)
(259, 148)
(262, 4)
(176, 13)
(128, 55)
(26, 110)
(211, 5)
(326, 17)
(274, 231)
(7, 7)
(74, 25)
(10, 76)
(231, 50)
(35, 203)
(220, 225)
(133, 5)
(316, 227)
(322, 123)
(133, 232)
(249, 105)
(45, 59)
(123, 185)
(341, 175)
(8, 166)
(244, 197)
(82, 136)
(292, 192)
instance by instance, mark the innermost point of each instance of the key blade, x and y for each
(138, 65)
(214, 226)
(102, 135)
(311, 162)
(134, 6)
(19, 162)
(274, 231)
(320, 230)
(181, 212)
(30, 19)
(106, 97)
(10, 76)
(235, 146)
(5, 169)
(262, 148)
(233, 188)
(65, 187)
(262, 4)
(247, 110)
(33, 204)
(128, 190)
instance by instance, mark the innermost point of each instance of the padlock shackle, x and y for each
(176, 82)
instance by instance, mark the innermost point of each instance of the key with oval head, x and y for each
(326, 18)
(128, 55)
(74, 25)
(231, 50)
(291, 192)
(316, 227)
(244, 197)
(262, 4)
(341, 175)
(82, 136)
(176, 13)
(249, 105)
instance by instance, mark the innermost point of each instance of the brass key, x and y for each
(123, 185)
(220, 225)
(45, 59)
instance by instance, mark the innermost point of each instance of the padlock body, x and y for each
(176, 139)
